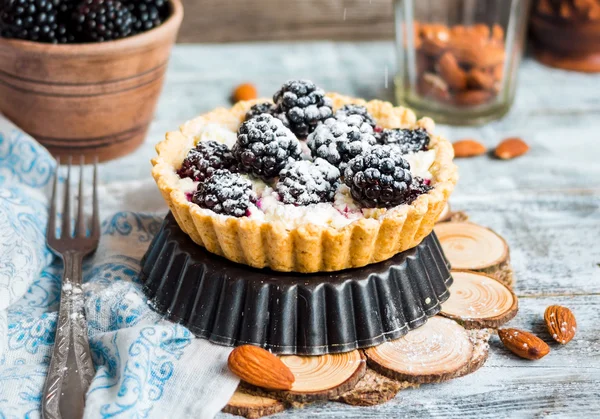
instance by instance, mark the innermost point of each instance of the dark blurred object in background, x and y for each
(566, 34)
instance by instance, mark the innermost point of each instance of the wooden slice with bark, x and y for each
(479, 301)
(437, 351)
(320, 377)
(373, 389)
(472, 247)
(252, 407)
(479, 338)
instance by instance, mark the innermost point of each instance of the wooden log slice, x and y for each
(373, 389)
(478, 301)
(472, 247)
(437, 351)
(252, 407)
(321, 377)
(479, 339)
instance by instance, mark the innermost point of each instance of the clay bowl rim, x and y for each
(100, 48)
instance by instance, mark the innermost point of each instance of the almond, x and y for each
(478, 79)
(511, 148)
(433, 86)
(482, 30)
(498, 33)
(475, 54)
(433, 46)
(260, 367)
(454, 76)
(498, 72)
(472, 97)
(245, 91)
(468, 148)
(523, 344)
(561, 323)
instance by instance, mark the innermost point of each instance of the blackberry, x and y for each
(259, 109)
(204, 159)
(148, 14)
(304, 182)
(418, 187)
(264, 146)
(225, 193)
(301, 105)
(407, 140)
(103, 20)
(348, 110)
(379, 177)
(35, 20)
(337, 142)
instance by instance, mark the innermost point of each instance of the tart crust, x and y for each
(308, 247)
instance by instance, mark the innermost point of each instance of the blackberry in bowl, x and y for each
(89, 98)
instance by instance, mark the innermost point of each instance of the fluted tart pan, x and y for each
(292, 313)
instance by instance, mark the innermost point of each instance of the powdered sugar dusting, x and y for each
(217, 133)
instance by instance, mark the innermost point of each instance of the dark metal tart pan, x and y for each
(289, 313)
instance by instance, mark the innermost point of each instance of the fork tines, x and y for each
(81, 224)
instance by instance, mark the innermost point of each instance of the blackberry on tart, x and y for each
(407, 140)
(259, 109)
(264, 146)
(203, 160)
(301, 105)
(350, 109)
(304, 182)
(337, 142)
(225, 193)
(379, 178)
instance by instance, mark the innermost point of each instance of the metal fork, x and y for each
(71, 369)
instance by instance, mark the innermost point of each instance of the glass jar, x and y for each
(458, 59)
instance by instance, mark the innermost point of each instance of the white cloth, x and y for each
(146, 367)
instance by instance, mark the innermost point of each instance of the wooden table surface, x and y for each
(546, 204)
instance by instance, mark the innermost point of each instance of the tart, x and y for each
(307, 183)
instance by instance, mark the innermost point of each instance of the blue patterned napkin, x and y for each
(146, 367)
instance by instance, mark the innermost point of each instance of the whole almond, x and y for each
(433, 46)
(245, 91)
(561, 323)
(511, 148)
(478, 79)
(475, 54)
(431, 85)
(468, 147)
(451, 72)
(523, 344)
(260, 367)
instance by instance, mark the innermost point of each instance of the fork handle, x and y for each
(71, 369)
